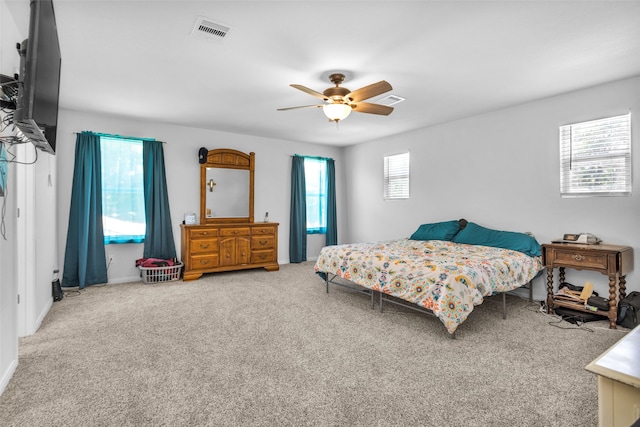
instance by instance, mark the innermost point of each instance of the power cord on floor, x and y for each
(578, 325)
(72, 292)
(557, 320)
(541, 307)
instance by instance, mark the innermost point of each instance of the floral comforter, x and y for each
(448, 278)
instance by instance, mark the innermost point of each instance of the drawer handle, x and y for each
(578, 257)
(204, 262)
(263, 242)
(204, 246)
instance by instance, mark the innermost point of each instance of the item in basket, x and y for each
(161, 274)
(154, 262)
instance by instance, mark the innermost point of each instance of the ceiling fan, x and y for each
(340, 101)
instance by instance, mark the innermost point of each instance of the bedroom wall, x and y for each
(500, 170)
(26, 265)
(28, 254)
(8, 286)
(272, 179)
(34, 197)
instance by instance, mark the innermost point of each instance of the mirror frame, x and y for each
(229, 159)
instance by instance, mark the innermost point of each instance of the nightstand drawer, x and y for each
(579, 260)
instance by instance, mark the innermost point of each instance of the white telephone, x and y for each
(581, 238)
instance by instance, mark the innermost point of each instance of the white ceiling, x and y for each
(449, 59)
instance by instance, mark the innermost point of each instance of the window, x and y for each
(315, 175)
(123, 214)
(396, 176)
(595, 158)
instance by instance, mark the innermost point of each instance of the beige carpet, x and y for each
(272, 348)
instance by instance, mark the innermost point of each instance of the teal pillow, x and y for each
(437, 231)
(473, 234)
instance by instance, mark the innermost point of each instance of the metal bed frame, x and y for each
(356, 288)
(384, 297)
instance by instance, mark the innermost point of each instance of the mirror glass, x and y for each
(227, 193)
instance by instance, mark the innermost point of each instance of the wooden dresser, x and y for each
(209, 248)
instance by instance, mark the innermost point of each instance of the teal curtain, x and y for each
(85, 260)
(298, 220)
(332, 226)
(158, 240)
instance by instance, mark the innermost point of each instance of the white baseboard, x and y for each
(7, 375)
(125, 280)
(42, 315)
(314, 259)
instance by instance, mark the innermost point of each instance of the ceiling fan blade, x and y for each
(302, 106)
(310, 91)
(369, 91)
(368, 107)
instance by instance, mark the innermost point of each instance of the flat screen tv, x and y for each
(36, 113)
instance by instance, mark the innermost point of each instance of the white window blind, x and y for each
(595, 158)
(396, 176)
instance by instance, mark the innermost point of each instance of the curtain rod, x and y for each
(313, 157)
(118, 136)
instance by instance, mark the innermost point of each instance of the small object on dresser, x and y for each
(189, 218)
(266, 217)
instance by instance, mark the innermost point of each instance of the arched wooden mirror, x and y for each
(226, 187)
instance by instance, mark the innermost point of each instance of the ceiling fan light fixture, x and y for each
(336, 112)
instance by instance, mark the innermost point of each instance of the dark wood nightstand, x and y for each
(611, 260)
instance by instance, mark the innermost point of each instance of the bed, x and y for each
(446, 276)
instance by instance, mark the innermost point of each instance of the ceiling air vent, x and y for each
(208, 29)
(390, 100)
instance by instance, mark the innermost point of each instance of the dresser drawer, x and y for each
(200, 246)
(261, 231)
(197, 234)
(204, 262)
(580, 260)
(263, 242)
(230, 232)
(267, 255)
